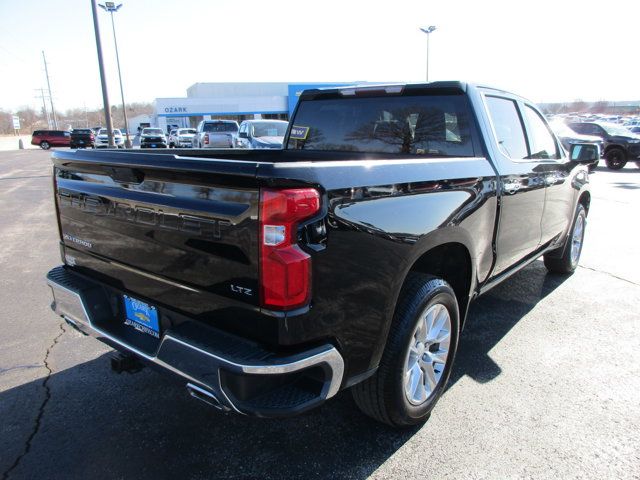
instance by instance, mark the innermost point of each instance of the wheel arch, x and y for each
(440, 253)
(451, 261)
(585, 200)
(445, 253)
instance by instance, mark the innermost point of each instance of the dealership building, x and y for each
(236, 101)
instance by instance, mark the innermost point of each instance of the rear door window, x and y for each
(507, 126)
(437, 125)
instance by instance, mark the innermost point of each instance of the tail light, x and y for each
(285, 270)
(205, 140)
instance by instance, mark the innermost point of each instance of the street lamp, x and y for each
(112, 7)
(428, 31)
(103, 79)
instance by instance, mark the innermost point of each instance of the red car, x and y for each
(50, 138)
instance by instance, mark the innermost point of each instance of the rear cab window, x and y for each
(421, 125)
(220, 127)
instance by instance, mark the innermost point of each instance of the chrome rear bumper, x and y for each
(214, 362)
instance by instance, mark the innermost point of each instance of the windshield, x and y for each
(116, 132)
(613, 129)
(416, 125)
(82, 131)
(187, 131)
(220, 127)
(151, 131)
(269, 129)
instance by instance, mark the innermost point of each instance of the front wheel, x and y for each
(45, 145)
(615, 158)
(418, 356)
(568, 262)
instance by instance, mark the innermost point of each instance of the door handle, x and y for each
(511, 186)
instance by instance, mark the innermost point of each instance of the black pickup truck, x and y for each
(82, 138)
(267, 281)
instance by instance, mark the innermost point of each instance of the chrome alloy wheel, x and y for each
(427, 355)
(576, 239)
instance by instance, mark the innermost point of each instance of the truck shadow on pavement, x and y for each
(494, 314)
(98, 424)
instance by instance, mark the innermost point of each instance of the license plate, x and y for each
(81, 141)
(153, 145)
(141, 316)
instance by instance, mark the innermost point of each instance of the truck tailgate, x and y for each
(145, 221)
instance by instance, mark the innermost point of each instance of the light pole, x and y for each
(112, 7)
(428, 31)
(103, 80)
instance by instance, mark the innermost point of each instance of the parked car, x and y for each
(102, 139)
(172, 138)
(50, 138)
(183, 137)
(261, 134)
(569, 137)
(634, 129)
(216, 134)
(82, 138)
(152, 138)
(620, 145)
(270, 280)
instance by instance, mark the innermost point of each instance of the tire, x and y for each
(45, 145)
(572, 249)
(387, 396)
(616, 158)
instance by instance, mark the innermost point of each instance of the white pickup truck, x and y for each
(182, 137)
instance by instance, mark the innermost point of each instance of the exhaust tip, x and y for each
(205, 396)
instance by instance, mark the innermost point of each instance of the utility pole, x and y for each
(44, 107)
(103, 80)
(112, 7)
(53, 110)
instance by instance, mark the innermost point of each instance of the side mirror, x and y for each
(584, 152)
(243, 135)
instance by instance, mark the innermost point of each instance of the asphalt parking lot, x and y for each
(546, 383)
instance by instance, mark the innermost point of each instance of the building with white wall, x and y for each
(238, 101)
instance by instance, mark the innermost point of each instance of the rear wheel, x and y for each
(568, 262)
(45, 145)
(615, 158)
(418, 357)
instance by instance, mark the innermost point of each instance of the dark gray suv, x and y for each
(620, 145)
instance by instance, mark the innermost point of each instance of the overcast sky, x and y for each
(544, 50)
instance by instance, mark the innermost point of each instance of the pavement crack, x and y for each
(47, 397)
(611, 275)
